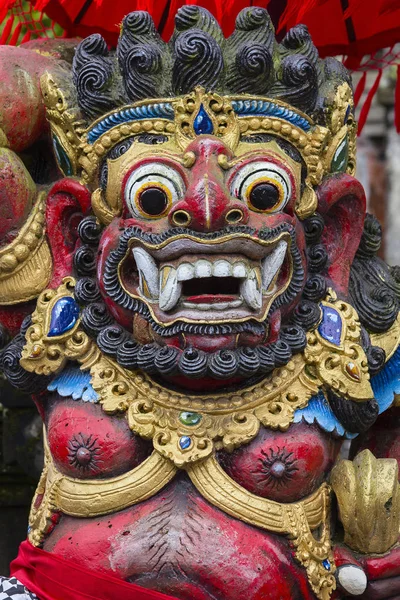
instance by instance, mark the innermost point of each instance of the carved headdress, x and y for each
(199, 82)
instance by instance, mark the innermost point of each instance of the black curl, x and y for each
(313, 228)
(94, 318)
(266, 358)
(249, 361)
(89, 231)
(110, 338)
(376, 359)
(15, 374)
(198, 61)
(146, 358)
(252, 18)
(253, 66)
(371, 238)
(193, 363)
(315, 288)
(141, 67)
(282, 352)
(85, 260)
(223, 364)
(299, 85)
(317, 258)
(295, 337)
(93, 73)
(127, 353)
(307, 314)
(166, 360)
(86, 290)
(372, 294)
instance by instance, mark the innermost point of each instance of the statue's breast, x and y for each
(87, 443)
(283, 466)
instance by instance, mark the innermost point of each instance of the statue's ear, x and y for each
(67, 203)
(341, 202)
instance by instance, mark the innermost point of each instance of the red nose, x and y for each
(208, 205)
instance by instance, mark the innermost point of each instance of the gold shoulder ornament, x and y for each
(26, 263)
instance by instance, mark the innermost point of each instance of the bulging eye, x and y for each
(151, 190)
(264, 186)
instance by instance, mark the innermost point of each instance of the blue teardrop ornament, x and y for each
(331, 325)
(64, 315)
(202, 124)
(185, 442)
(326, 564)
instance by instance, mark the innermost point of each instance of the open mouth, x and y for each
(231, 279)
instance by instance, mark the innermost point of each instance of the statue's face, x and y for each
(212, 239)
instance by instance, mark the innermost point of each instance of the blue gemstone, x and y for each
(185, 442)
(326, 564)
(331, 326)
(64, 315)
(346, 116)
(202, 124)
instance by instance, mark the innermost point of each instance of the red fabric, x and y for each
(368, 101)
(360, 88)
(53, 578)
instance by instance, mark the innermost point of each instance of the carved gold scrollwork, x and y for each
(26, 263)
(44, 355)
(342, 367)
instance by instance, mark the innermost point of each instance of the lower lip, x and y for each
(210, 299)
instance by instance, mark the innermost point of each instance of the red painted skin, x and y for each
(176, 542)
(161, 543)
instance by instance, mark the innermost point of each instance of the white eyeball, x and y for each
(151, 190)
(264, 186)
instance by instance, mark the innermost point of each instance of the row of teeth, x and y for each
(165, 285)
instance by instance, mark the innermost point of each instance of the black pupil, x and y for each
(264, 196)
(153, 201)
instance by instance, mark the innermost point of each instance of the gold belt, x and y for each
(92, 498)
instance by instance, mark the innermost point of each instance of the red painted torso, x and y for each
(163, 543)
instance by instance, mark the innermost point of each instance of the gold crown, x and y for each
(325, 149)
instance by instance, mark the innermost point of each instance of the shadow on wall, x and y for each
(21, 460)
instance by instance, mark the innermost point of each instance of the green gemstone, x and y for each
(189, 418)
(341, 157)
(62, 157)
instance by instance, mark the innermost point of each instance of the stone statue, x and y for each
(204, 319)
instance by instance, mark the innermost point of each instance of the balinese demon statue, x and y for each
(192, 294)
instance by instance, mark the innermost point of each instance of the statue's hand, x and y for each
(368, 578)
(368, 496)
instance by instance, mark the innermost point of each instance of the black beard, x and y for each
(162, 360)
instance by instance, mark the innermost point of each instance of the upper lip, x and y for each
(166, 267)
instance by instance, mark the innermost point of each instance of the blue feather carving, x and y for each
(74, 383)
